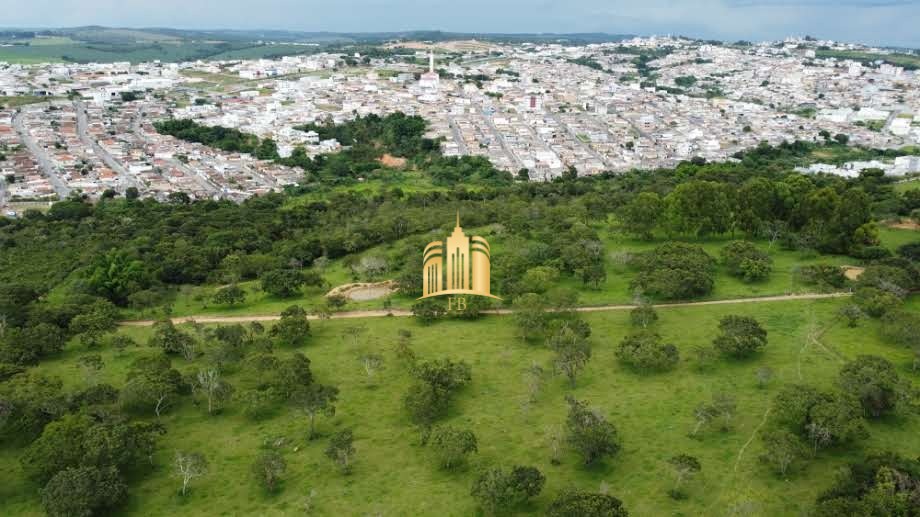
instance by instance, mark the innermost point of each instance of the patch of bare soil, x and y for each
(395, 162)
(853, 272)
(362, 292)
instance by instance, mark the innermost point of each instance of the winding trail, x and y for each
(204, 318)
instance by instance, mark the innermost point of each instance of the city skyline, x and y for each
(877, 22)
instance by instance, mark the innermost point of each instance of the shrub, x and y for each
(675, 271)
(741, 336)
(745, 261)
(645, 351)
(824, 276)
(452, 446)
(573, 503)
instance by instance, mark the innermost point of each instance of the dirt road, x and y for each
(403, 312)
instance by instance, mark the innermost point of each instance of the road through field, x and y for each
(402, 312)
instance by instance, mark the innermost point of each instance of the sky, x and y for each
(880, 22)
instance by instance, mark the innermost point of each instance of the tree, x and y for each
(215, 389)
(573, 503)
(674, 271)
(880, 484)
(803, 409)
(189, 465)
(314, 400)
(644, 351)
(852, 314)
(428, 311)
(93, 324)
(685, 467)
(530, 316)
(116, 275)
(269, 468)
(452, 446)
(293, 328)
(720, 410)
(172, 340)
(745, 261)
(26, 345)
(572, 352)
(152, 383)
(83, 492)
(841, 138)
(643, 315)
(498, 490)
(291, 375)
(875, 383)
(229, 295)
(428, 397)
(901, 328)
(698, 208)
(341, 449)
(371, 363)
(641, 215)
(782, 450)
(741, 336)
(589, 432)
(283, 283)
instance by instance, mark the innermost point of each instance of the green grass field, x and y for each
(394, 475)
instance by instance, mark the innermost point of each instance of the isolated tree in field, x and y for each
(188, 466)
(572, 352)
(171, 340)
(643, 315)
(269, 468)
(428, 397)
(530, 316)
(291, 375)
(498, 490)
(590, 433)
(101, 319)
(782, 450)
(644, 351)
(293, 328)
(874, 381)
(533, 379)
(91, 365)
(720, 411)
(314, 400)
(214, 388)
(372, 363)
(684, 467)
(852, 314)
(452, 446)
(83, 491)
(555, 440)
(152, 383)
(740, 337)
(804, 411)
(641, 215)
(229, 295)
(341, 450)
(574, 503)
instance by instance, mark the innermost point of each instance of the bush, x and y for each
(824, 276)
(675, 271)
(902, 328)
(910, 251)
(83, 491)
(268, 469)
(452, 446)
(498, 490)
(745, 261)
(590, 433)
(876, 302)
(741, 336)
(573, 503)
(644, 351)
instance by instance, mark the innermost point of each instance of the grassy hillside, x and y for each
(394, 475)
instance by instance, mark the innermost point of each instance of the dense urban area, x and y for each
(704, 255)
(641, 103)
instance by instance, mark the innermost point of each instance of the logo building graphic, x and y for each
(460, 265)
